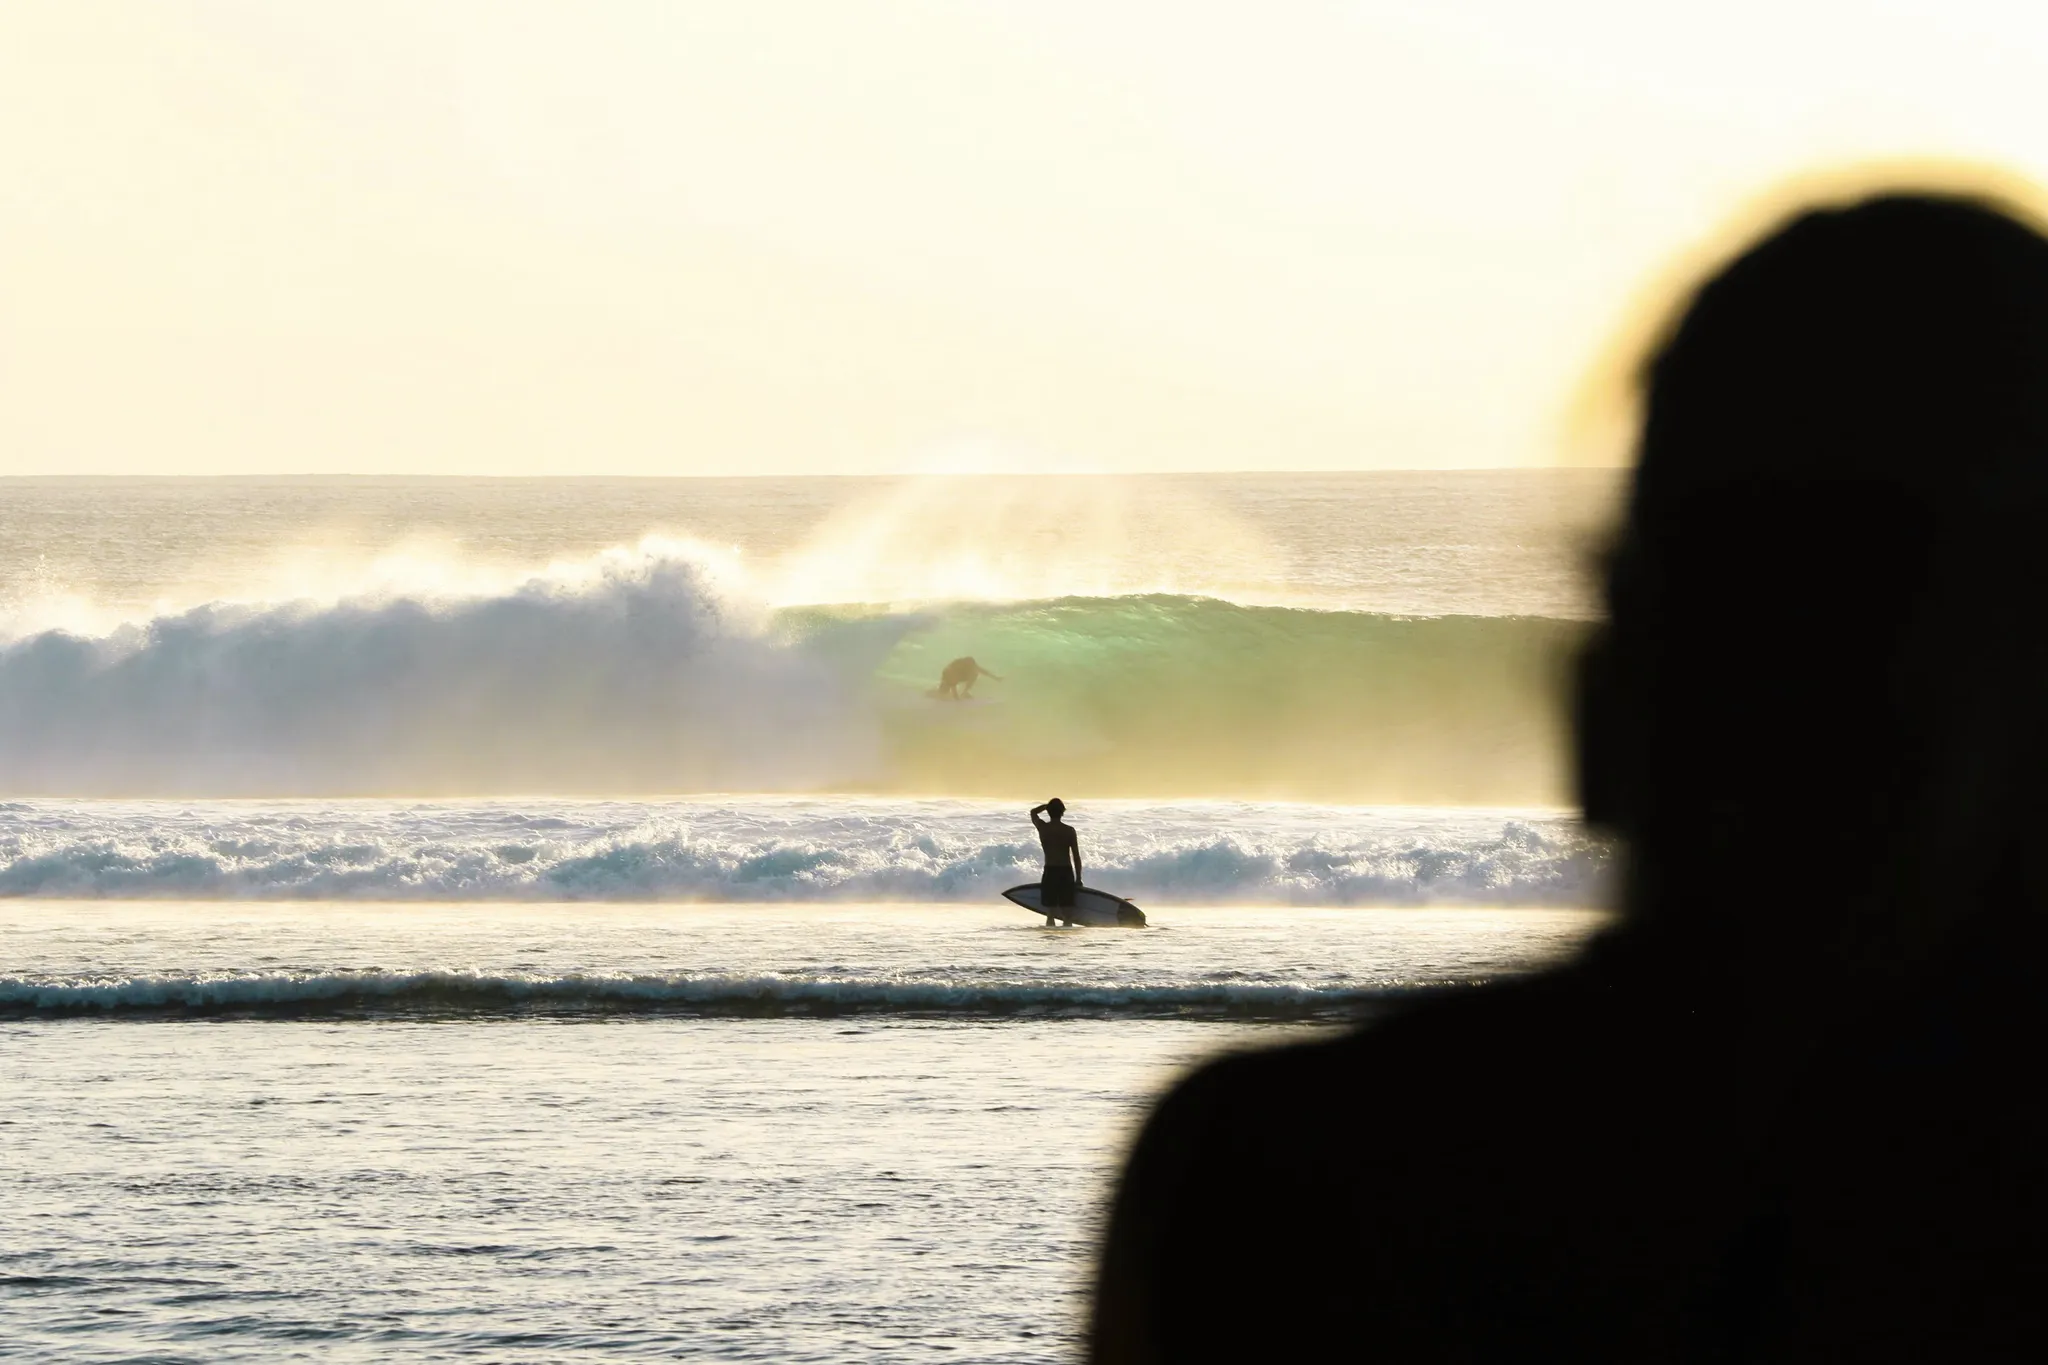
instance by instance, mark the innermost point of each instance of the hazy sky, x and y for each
(657, 236)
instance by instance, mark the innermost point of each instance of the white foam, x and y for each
(787, 850)
(632, 671)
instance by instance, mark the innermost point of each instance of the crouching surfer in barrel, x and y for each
(1062, 858)
(957, 680)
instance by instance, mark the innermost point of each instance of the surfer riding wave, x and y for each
(1062, 856)
(957, 679)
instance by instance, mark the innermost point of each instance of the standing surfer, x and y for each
(1062, 857)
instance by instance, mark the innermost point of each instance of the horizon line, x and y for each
(312, 477)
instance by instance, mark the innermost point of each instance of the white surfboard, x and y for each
(1096, 909)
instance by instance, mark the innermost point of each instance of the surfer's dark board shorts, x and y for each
(1056, 888)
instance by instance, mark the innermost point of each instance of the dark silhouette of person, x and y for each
(957, 679)
(1062, 857)
(1785, 1108)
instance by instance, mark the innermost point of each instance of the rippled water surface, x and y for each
(491, 1190)
(495, 1177)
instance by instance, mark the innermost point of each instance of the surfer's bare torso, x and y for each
(1061, 846)
(1062, 853)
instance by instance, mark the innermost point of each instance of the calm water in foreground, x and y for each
(547, 1132)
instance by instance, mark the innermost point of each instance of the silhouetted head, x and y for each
(1841, 484)
(1056, 808)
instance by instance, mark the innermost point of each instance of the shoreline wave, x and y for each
(444, 993)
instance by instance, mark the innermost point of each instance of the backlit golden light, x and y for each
(800, 236)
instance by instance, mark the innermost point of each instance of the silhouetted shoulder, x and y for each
(1786, 1111)
(1906, 1215)
(1449, 1183)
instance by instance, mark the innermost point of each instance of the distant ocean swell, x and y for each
(917, 853)
(274, 994)
(639, 673)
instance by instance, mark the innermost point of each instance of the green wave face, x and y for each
(1190, 697)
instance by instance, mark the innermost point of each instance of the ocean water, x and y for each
(829, 1132)
(1352, 640)
(547, 920)
(778, 849)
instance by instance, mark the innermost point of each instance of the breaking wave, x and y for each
(641, 672)
(636, 675)
(440, 992)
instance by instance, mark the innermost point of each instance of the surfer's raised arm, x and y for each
(1037, 811)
